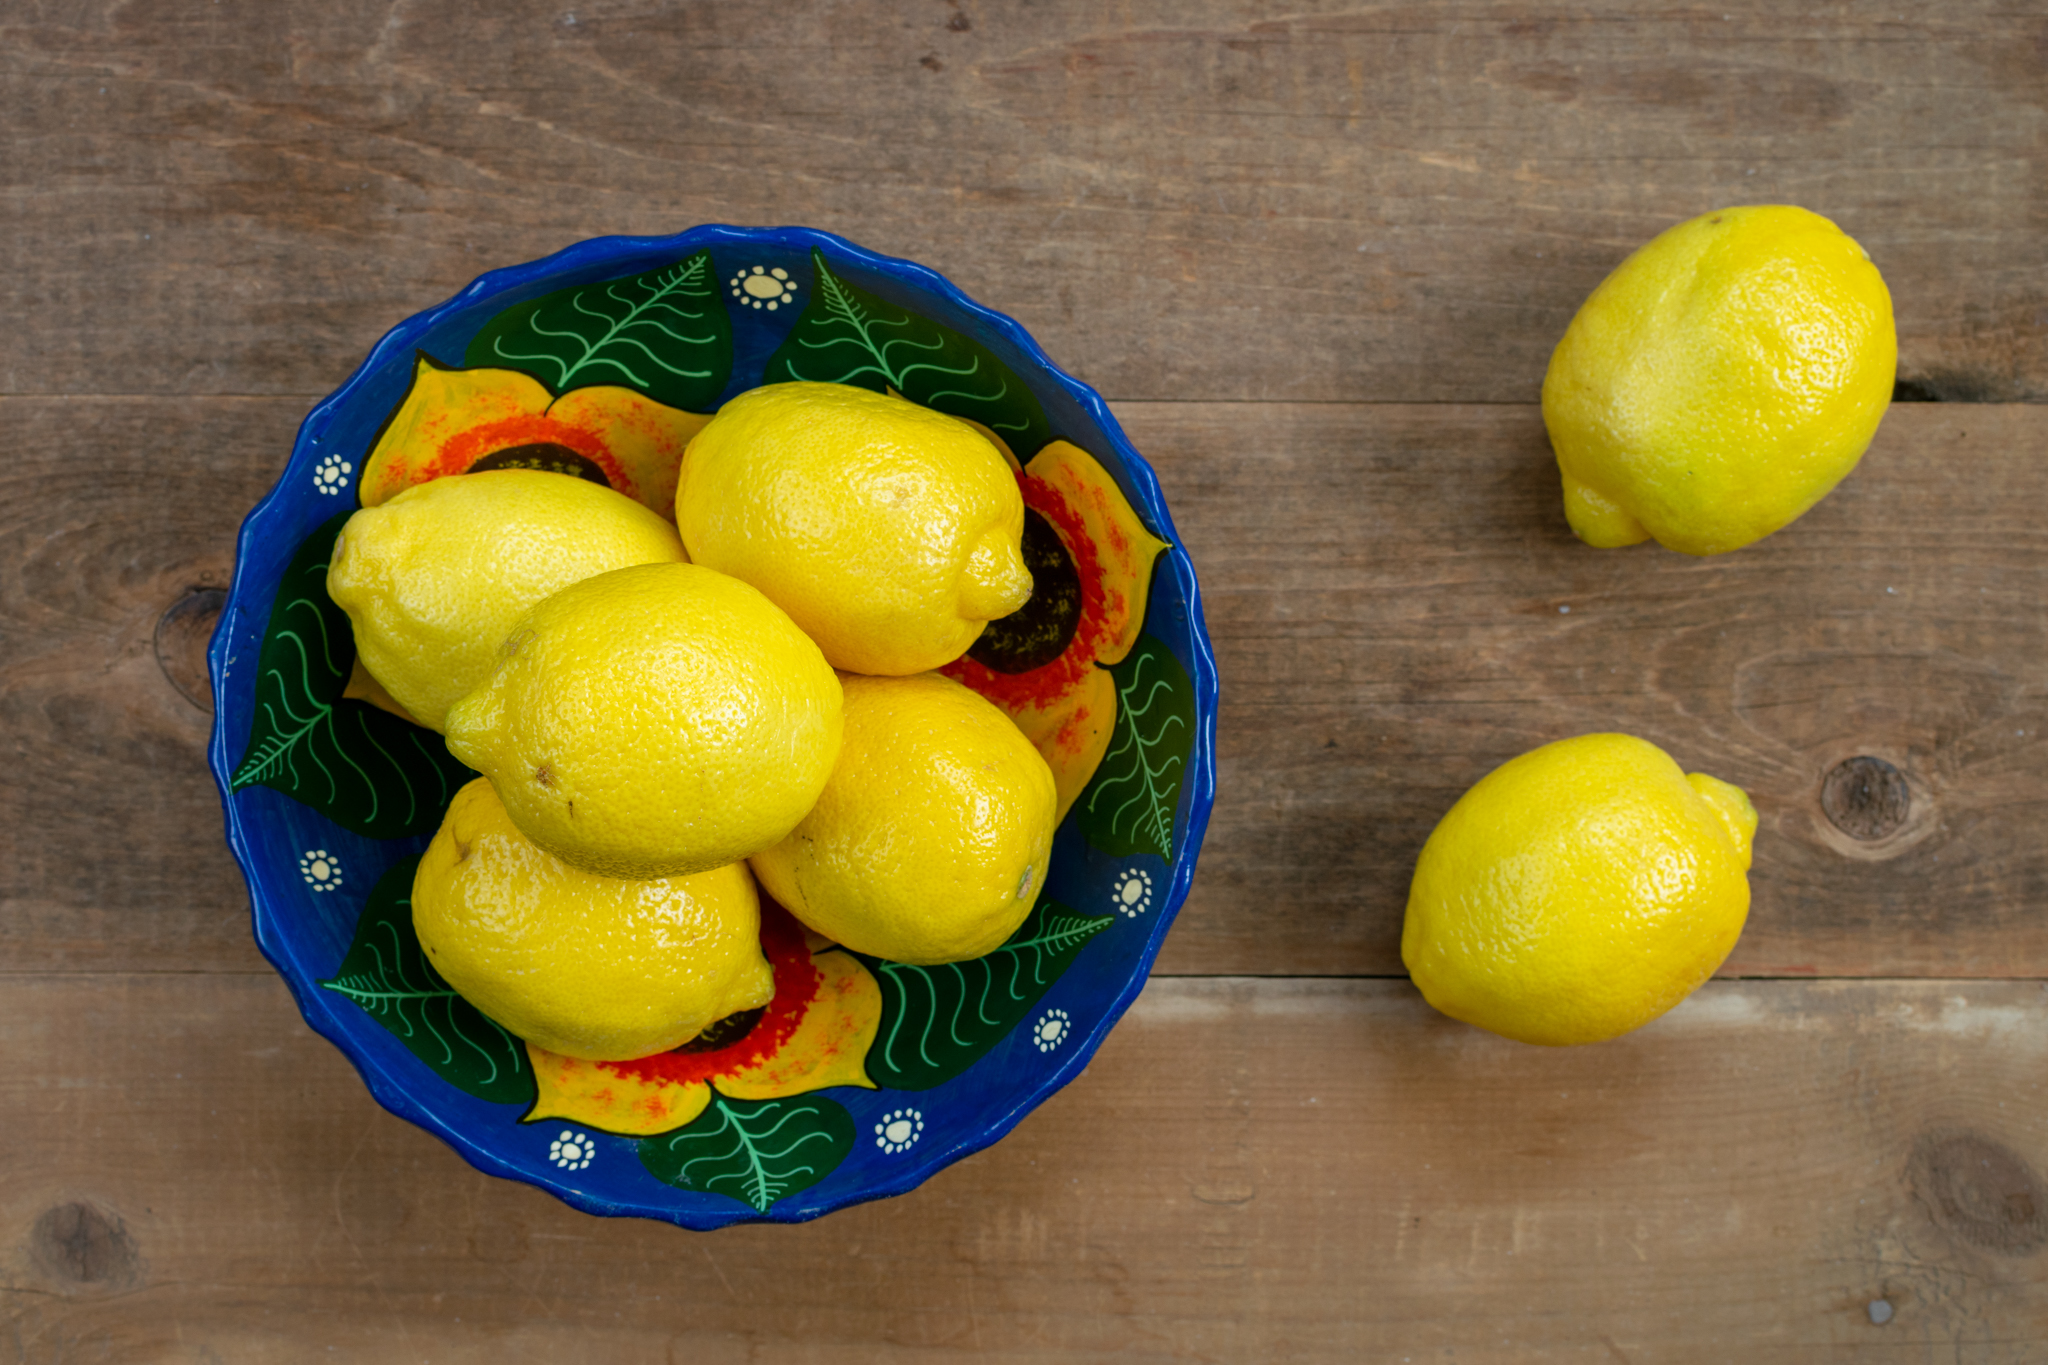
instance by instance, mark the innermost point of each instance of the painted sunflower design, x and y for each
(814, 1033)
(1048, 666)
(457, 421)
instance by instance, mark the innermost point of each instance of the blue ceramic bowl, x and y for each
(329, 800)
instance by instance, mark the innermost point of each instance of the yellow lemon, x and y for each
(653, 722)
(1720, 381)
(1579, 891)
(890, 533)
(932, 840)
(433, 578)
(579, 964)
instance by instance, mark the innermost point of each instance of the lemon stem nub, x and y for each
(995, 583)
(1599, 520)
(1733, 805)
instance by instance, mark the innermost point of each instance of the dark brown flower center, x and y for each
(543, 455)
(1039, 631)
(725, 1032)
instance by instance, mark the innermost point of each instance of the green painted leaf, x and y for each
(364, 769)
(755, 1151)
(664, 333)
(849, 336)
(386, 973)
(1128, 806)
(938, 1021)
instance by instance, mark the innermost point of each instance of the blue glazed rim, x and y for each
(246, 598)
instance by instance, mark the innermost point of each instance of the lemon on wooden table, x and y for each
(1579, 891)
(889, 532)
(932, 839)
(433, 578)
(580, 964)
(653, 722)
(1721, 381)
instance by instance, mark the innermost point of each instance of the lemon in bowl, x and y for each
(577, 963)
(891, 533)
(433, 579)
(653, 721)
(931, 840)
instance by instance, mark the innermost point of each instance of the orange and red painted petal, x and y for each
(596, 1096)
(441, 406)
(643, 439)
(831, 1041)
(814, 1033)
(1094, 510)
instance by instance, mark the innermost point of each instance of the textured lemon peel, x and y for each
(434, 577)
(1578, 891)
(682, 720)
(937, 813)
(890, 533)
(583, 965)
(1726, 377)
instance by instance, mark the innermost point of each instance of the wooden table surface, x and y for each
(1316, 257)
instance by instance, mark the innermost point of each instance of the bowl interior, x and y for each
(866, 1076)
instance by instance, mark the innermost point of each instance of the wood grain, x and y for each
(1318, 254)
(1224, 199)
(1398, 607)
(1269, 1171)
(1386, 587)
(111, 841)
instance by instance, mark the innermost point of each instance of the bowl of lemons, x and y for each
(716, 727)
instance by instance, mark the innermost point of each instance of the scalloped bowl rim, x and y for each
(393, 1092)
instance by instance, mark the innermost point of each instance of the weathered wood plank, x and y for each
(111, 843)
(1251, 1171)
(1225, 199)
(1384, 585)
(1398, 607)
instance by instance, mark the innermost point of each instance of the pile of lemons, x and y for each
(663, 714)
(1715, 387)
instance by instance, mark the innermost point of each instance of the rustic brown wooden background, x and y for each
(1316, 257)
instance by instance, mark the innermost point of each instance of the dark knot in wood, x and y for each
(1980, 1191)
(1866, 797)
(182, 635)
(85, 1245)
